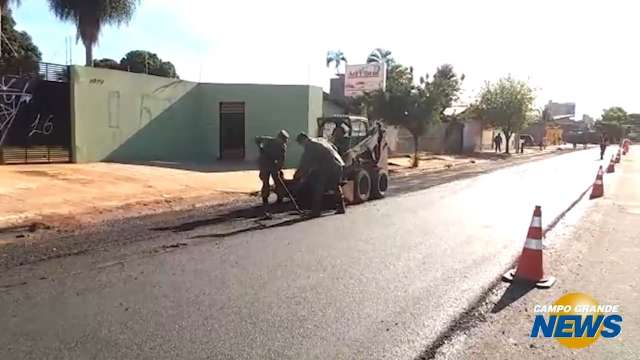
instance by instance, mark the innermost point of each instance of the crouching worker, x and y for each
(321, 167)
(271, 161)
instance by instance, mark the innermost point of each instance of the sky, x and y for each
(567, 50)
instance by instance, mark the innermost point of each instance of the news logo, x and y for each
(576, 320)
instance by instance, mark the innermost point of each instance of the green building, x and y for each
(126, 117)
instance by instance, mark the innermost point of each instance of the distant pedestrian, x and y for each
(498, 142)
(603, 146)
(521, 146)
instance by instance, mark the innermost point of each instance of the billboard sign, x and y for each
(364, 78)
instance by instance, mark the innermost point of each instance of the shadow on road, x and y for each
(515, 291)
(255, 213)
(258, 226)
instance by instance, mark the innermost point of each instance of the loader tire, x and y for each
(380, 184)
(362, 186)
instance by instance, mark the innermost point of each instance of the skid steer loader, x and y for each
(364, 150)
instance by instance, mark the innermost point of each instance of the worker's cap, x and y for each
(283, 134)
(302, 136)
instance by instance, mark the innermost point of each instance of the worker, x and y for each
(321, 167)
(339, 140)
(498, 143)
(603, 146)
(271, 161)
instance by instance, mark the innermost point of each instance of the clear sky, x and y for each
(568, 50)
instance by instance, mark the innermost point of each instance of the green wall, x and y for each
(268, 108)
(126, 117)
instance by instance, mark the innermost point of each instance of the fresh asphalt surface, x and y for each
(382, 282)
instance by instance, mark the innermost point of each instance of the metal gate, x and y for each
(35, 120)
(232, 130)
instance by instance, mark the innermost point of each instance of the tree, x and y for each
(5, 6)
(615, 115)
(107, 64)
(21, 55)
(337, 58)
(506, 105)
(145, 62)
(381, 56)
(446, 86)
(90, 16)
(412, 106)
(613, 121)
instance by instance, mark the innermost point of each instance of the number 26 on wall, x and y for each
(42, 128)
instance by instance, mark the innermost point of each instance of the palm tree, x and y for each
(381, 56)
(5, 6)
(336, 57)
(90, 15)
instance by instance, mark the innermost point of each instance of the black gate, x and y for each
(35, 121)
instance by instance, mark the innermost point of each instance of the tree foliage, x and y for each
(381, 56)
(445, 87)
(615, 115)
(145, 62)
(506, 104)
(337, 58)
(5, 7)
(107, 64)
(89, 16)
(413, 106)
(613, 122)
(20, 54)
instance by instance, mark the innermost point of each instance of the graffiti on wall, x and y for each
(13, 94)
(34, 112)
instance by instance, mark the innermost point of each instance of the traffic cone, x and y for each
(530, 263)
(612, 167)
(598, 186)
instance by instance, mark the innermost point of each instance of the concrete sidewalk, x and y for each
(595, 253)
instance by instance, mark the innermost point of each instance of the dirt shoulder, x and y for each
(71, 194)
(595, 254)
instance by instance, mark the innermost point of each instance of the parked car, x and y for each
(528, 140)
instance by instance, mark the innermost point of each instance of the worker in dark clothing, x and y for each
(271, 161)
(498, 142)
(339, 140)
(603, 146)
(321, 166)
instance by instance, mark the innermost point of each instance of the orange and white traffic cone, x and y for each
(612, 166)
(598, 186)
(530, 263)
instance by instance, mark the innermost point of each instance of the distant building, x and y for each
(336, 88)
(332, 106)
(554, 110)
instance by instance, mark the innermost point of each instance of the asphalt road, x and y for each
(382, 282)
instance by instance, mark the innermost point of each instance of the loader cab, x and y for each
(344, 131)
